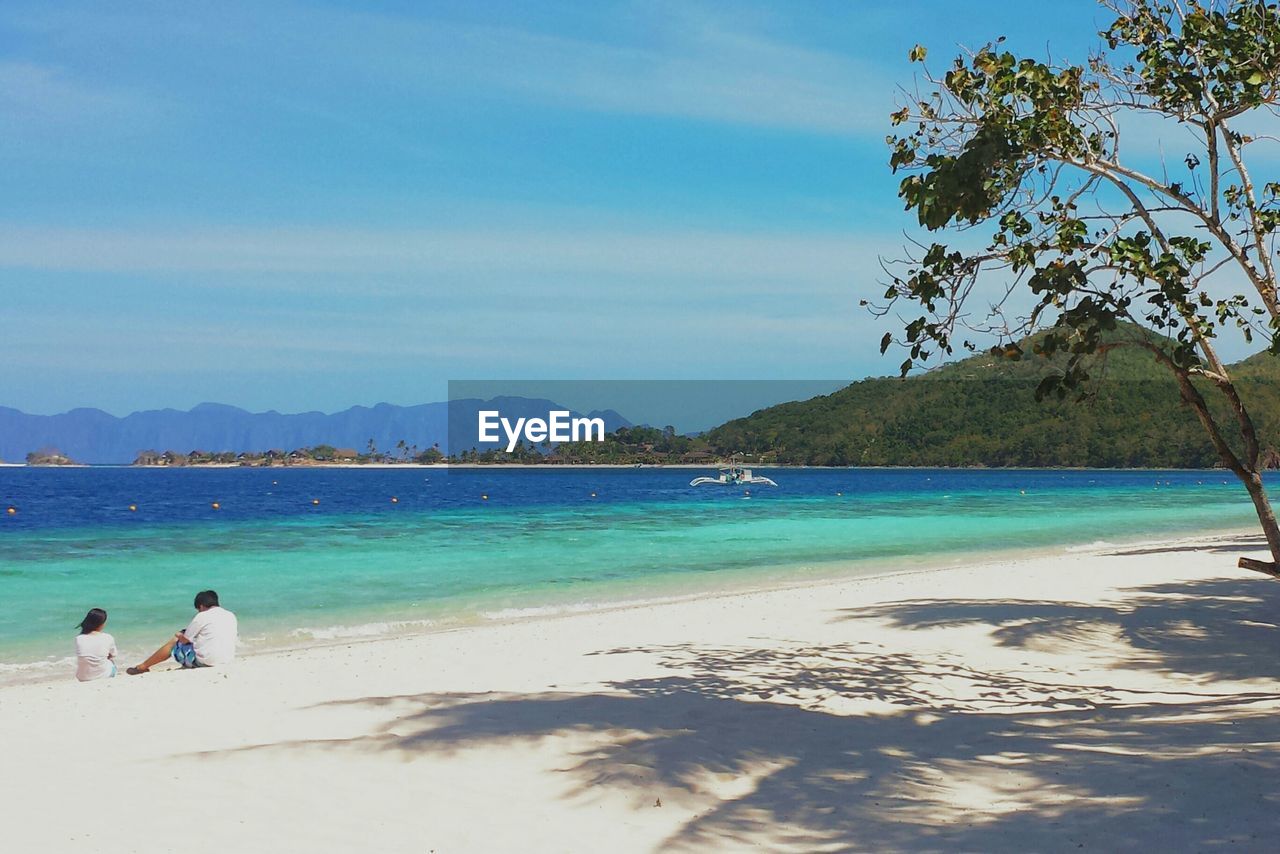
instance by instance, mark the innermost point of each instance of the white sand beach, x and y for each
(1117, 699)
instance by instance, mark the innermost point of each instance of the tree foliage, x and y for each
(1018, 162)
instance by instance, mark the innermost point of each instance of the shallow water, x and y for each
(357, 564)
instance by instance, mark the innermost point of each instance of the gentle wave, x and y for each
(1088, 547)
(504, 614)
(37, 671)
(362, 630)
(534, 611)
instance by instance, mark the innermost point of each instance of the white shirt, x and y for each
(93, 655)
(213, 633)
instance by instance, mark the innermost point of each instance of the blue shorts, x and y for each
(185, 655)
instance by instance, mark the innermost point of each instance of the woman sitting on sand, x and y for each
(95, 649)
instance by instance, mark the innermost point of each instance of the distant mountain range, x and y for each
(94, 436)
(979, 411)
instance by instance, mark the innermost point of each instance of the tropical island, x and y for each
(317, 455)
(49, 457)
(982, 411)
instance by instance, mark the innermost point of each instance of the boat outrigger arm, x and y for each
(732, 475)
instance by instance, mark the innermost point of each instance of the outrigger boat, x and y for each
(732, 474)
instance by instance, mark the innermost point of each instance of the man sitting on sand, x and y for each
(210, 639)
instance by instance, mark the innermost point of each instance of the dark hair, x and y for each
(206, 599)
(93, 621)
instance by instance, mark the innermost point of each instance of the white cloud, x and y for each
(673, 61)
(32, 92)
(705, 71)
(833, 258)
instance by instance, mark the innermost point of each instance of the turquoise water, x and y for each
(444, 554)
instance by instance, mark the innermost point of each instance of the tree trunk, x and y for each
(1247, 469)
(1270, 529)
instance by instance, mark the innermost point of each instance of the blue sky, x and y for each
(313, 205)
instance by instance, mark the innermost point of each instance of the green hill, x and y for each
(982, 411)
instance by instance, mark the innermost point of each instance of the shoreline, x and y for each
(1038, 703)
(929, 565)
(829, 574)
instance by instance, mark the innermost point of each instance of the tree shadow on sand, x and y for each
(847, 746)
(1221, 628)
(1233, 545)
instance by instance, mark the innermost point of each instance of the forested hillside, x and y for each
(982, 411)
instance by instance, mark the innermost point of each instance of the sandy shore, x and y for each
(1109, 700)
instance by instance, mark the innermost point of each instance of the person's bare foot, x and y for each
(137, 671)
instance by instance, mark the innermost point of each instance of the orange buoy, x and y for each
(12, 511)
(216, 506)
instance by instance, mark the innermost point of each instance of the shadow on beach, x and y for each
(940, 755)
(1219, 628)
(1243, 543)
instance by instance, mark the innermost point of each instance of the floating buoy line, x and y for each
(394, 499)
(12, 510)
